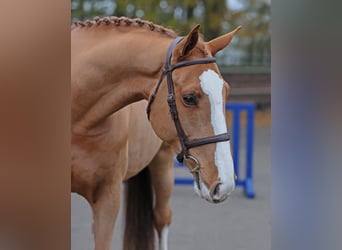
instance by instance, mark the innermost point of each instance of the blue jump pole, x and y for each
(249, 189)
(235, 136)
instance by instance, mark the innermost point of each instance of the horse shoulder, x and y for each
(143, 143)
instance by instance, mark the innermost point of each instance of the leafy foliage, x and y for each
(251, 47)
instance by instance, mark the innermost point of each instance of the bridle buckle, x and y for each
(198, 166)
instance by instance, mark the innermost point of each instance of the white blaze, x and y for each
(212, 85)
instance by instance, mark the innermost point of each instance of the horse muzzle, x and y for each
(217, 194)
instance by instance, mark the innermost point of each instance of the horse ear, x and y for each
(189, 42)
(221, 42)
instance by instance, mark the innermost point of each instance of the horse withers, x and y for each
(119, 61)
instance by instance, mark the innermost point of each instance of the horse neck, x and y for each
(116, 69)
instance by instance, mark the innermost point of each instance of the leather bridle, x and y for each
(183, 139)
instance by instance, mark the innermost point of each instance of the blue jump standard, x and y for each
(247, 182)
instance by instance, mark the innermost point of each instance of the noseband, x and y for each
(183, 139)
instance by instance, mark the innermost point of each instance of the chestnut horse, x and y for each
(116, 62)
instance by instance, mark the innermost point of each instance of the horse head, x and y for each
(188, 112)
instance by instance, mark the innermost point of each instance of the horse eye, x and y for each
(190, 99)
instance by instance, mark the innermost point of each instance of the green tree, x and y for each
(254, 39)
(214, 14)
(182, 15)
(251, 47)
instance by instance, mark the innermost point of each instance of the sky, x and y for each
(239, 4)
(235, 4)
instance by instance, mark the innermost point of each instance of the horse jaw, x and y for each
(221, 42)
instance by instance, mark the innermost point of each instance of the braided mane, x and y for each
(124, 21)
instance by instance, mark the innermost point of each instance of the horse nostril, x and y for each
(217, 195)
(216, 189)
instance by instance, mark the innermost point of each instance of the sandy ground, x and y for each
(237, 224)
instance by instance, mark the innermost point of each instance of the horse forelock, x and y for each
(125, 22)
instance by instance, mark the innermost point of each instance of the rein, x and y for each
(183, 139)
